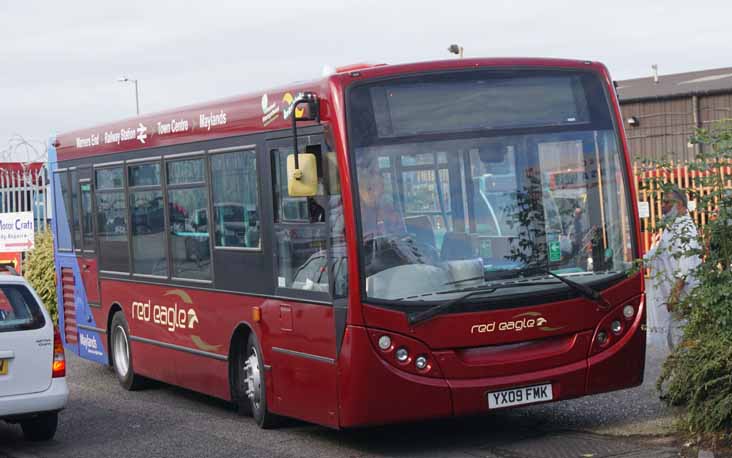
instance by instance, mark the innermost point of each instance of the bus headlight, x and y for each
(404, 353)
(384, 342)
(616, 327)
(602, 337)
(420, 362)
(628, 311)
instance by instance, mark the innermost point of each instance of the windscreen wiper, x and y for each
(583, 289)
(418, 317)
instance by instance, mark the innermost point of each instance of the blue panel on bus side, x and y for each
(90, 342)
(91, 346)
(60, 230)
(61, 234)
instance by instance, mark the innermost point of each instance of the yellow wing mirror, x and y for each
(302, 169)
(302, 178)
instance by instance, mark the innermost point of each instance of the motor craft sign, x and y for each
(16, 232)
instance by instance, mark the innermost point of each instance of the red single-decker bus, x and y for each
(385, 244)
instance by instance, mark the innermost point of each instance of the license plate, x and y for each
(520, 396)
(3, 367)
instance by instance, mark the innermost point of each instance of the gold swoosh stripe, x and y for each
(180, 293)
(547, 328)
(528, 314)
(197, 341)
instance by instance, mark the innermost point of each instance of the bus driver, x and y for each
(378, 216)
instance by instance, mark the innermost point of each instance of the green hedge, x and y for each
(39, 270)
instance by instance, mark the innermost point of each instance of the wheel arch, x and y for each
(240, 336)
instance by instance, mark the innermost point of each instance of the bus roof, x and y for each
(256, 112)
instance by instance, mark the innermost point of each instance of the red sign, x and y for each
(13, 259)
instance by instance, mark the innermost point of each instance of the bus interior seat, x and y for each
(421, 227)
(456, 245)
(500, 247)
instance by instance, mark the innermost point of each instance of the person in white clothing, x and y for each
(673, 261)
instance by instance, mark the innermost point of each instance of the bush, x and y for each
(40, 272)
(698, 373)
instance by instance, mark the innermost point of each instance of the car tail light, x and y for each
(59, 359)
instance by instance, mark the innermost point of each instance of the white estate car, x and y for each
(32, 366)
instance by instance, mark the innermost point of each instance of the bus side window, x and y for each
(87, 217)
(147, 225)
(75, 219)
(189, 239)
(61, 187)
(235, 199)
(111, 219)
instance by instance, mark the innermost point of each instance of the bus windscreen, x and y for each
(457, 181)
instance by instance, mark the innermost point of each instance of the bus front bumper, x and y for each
(374, 392)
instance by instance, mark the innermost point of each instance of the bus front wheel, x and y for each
(252, 386)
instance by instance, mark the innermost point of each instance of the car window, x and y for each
(19, 310)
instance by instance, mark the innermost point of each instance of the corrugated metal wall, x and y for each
(664, 126)
(715, 107)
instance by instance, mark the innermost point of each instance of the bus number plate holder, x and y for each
(520, 396)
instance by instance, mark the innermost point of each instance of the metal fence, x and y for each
(649, 192)
(26, 189)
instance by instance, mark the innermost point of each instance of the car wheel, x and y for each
(121, 352)
(40, 428)
(252, 385)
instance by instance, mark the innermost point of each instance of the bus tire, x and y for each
(121, 353)
(253, 386)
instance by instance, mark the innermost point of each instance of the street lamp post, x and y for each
(124, 79)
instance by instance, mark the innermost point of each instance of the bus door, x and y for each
(302, 340)
(88, 263)
(85, 247)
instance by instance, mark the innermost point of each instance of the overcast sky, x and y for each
(59, 60)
